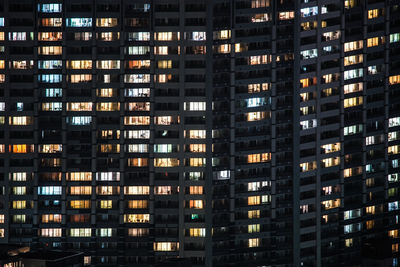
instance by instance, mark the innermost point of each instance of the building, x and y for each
(19, 256)
(224, 132)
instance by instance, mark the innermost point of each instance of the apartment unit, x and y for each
(225, 132)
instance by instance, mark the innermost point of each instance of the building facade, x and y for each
(225, 132)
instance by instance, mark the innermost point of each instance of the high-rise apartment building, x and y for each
(227, 132)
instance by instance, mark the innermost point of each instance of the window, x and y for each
(394, 37)
(351, 214)
(51, 218)
(351, 46)
(136, 190)
(18, 190)
(50, 50)
(253, 214)
(138, 64)
(137, 92)
(286, 15)
(352, 102)
(137, 134)
(79, 106)
(79, 22)
(80, 204)
(138, 50)
(51, 232)
(330, 204)
(54, 148)
(196, 36)
(139, 36)
(106, 22)
(52, 106)
(79, 176)
(50, 36)
(253, 228)
(375, 41)
(19, 204)
(256, 116)
(354, 129)
(50, 8)
(136, 120)
(197, 232)
(136, 218)
(350, 60)
(138, 232)
(309, 11)
(352, 74)
(51, 22)
(138, 204)
(195, 134)
(394, 79)
(260, 3)
(254, 242)
(137, 78)
(263, 17)
(308, 166)
(79, 64)
(166, 246)
(329, 148)
(166, 162)
(19, 218)
(308, 124)
(195, 190)
(352, 88)
(196, 204)
(50, 78)
(49, 190)
(80, 232)
(257, 158)
(80, 190)
(108, 64)
(166, 36)
(49, 64)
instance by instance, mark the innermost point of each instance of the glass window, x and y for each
(79, 22)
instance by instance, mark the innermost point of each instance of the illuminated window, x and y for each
(375, 41)
(22, 148)
(197, 148)
(50, 8)
(197, 232)
(79, 176)
(197, 162)
(352, 88)
(136, 190)
(137, 92)
(108, 64)
(54, 148)
(166, 162)
(394, 37)
(138, 64)
(82, 36)
(223, 49)
(136, 218)
(79, 106)
(350, 3)
(137, 120)
(253, 228)
(137, 204)
(286, 15)
(329, 162)
(355, 45)
(49, 36)
(254, 242)
(307, 54)
(137, 78)
(138, 232)
(19, 190)
(166, 120)
(257, 158)
(52, 106)
(164, 64)
(105, 232)
(353, 129)
(107, 190)
(19, 204)
(80, 232)
(79, 22)
(393, 149)
(352, 74)
(166, 246)
(330, 204)
(79, 78)
(308, 166)
(195, 106)
(51, 218)
(79, 64)
(352, 102)
(253, 214)
(80, 190)
(196, 204)
(350, 60)
(394, 79)
(50, 50)
(107, 106)
(106, 22)
(51, 232)
(254, 200)
(196, 134)
(137, 134)
(19, 218)
(80, 204)
(373, 13)
(196, 36)
(139, 36)
(196, 190)
(138, 50)
(18, 176)
(49, 190)
(260, 3)
(166, 36)
(51, 22)
(161, 50)
(256, 116)
(352, 171)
